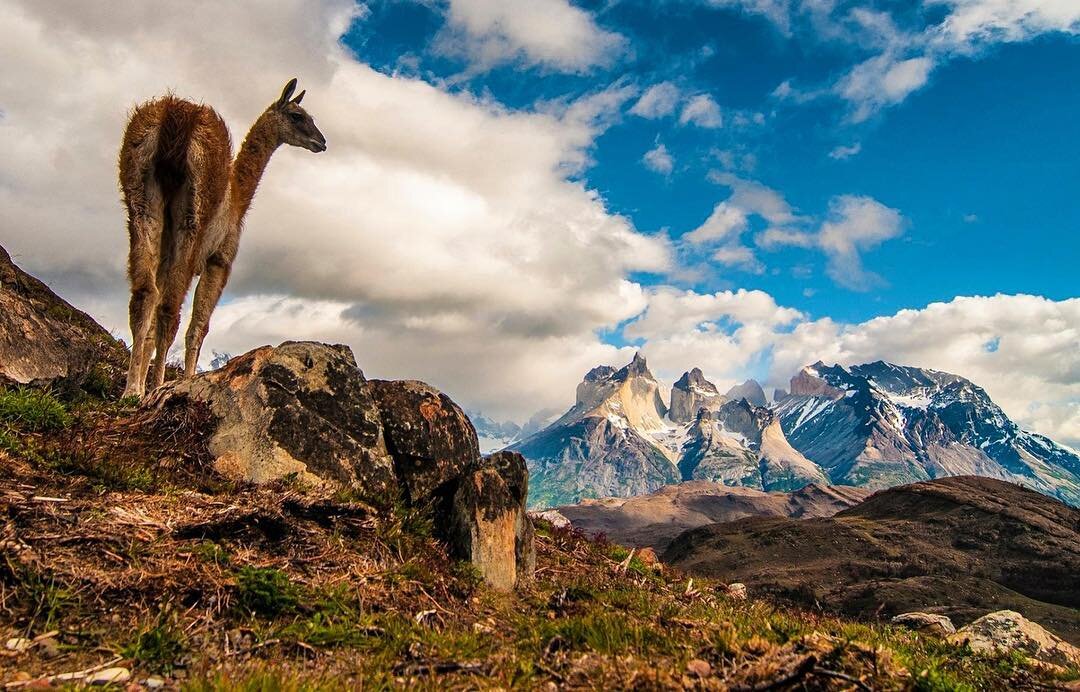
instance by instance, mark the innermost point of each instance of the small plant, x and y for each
(32, 410)
(211, 552)
(265, 591)
(49, 600)
(158, 647)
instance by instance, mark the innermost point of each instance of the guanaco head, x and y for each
(293, 124)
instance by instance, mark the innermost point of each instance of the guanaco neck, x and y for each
(247, 169)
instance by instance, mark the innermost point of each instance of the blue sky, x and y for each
(981, 162)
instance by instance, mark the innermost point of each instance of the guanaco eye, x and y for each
(296, 117)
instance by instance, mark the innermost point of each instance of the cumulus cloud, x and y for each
(1033, 373)
(658, 101)
(552, 33)
(856, 224)
(702, 111)
(659, 159)
(442, 235)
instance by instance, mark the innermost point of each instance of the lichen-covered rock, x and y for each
(1008, 631)
(42, 337)
(488, 522)
(300, 409)
(927, 623)
(429, 436)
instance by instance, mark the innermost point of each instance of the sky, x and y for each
(516, 191)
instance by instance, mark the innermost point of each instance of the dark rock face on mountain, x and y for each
(959, 546)
(741, 444)
(654, 520)
(749, 390)
(305, 410)
(690, 394)
(881, 425)
(42, 337)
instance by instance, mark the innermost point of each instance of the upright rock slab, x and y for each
(488, 522)
(302, 408)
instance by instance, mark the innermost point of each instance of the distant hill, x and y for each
(654, 520)
(960, 546)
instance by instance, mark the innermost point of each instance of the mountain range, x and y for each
(875, 425)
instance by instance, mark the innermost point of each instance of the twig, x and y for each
(826, 673)
(60, 677)
(41, 498)
(799, 672)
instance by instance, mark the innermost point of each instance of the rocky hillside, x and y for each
(655, 519)
(286, 523)
(959, 546)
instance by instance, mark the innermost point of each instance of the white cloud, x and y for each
(441, 235)
(973, 23)
(843, 152)
(702, 111)
(552, 33)
(882, 81)
(1034, 373)
(725, 222)
(658, 101)
(856, 224)
(659, 159)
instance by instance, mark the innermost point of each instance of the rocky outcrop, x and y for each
(1007, 631)
(488, 522)
(927, 623)
(302, 409)
(305, 410)
(808, 383)
(42, 337)
(691, 393)
(428, 435)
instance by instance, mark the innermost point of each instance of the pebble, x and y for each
(737, 591)
(17, 644)
(108, 676)
(699, 668)
(154, 682)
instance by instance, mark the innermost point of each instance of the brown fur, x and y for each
(186, 200)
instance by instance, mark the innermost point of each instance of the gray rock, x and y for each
(489, 524)
(301, 409)
(1007, 631)
(429, 436)
(927, 623)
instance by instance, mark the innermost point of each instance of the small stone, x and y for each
(648, 558)
(109, 676)
(48, 647)
(17, 644)
(699, 668)
(154, 682)
(737, 591)
(927, 623)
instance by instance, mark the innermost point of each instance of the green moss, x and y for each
(265, 591)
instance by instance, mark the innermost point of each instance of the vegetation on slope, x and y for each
(119, 546)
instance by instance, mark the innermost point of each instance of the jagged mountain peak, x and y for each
(637, 367)
(691, 394)
(750, 390)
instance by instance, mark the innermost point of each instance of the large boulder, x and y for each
(42, 337)
(488, 522)
(302, 409)
(429, 436)
(1006, 631)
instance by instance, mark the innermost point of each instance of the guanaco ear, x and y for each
(286, 93)
(299, 97)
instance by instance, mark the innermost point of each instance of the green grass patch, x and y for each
(32, 410)
(158, 647)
